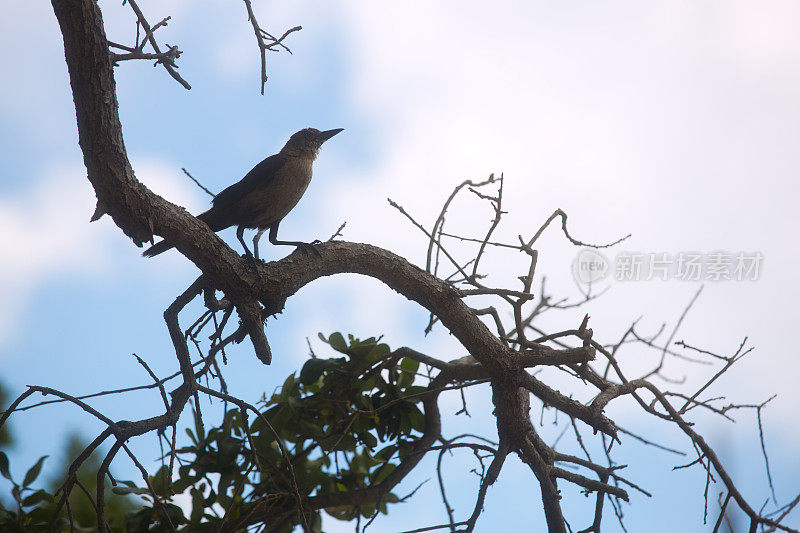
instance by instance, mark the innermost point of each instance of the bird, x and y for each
(266, 194)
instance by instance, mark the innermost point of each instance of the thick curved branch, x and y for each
(281, 279)
(139, 212)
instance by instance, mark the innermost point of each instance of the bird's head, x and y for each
(308, 141)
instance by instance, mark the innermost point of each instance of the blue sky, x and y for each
(675, 121)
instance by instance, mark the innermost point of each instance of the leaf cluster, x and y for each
(32, 506)
(341, 424)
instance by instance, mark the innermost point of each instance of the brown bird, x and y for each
(266, 194)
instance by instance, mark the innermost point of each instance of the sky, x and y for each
(676, 122)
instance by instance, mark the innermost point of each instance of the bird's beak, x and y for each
(325, 135)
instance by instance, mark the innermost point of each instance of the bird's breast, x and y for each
(273, 200)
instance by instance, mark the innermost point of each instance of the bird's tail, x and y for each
(158, 248)
(215, 219)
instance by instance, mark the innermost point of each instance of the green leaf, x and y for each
(183, 483)
(160, 481)
(417, 419)
(4, 466)
(409, 368)
(361, 350)
(368, 439)
(33, 472)
(41, 516)
(386, 453)
(128, 490)
(316, 523)
(378, 351)
(383, 472)
(288, 385)
(414, 393)
(337, 342)
(139, 521)
(312, 370)
(175, 514)
(410, 365)
(198, 507)
(36, 497)
(367, 510)
(343, 443)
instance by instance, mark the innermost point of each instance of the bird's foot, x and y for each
(253, 260)
(310, 247)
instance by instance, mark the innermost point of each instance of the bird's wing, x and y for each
(223, 212)
(258, 177)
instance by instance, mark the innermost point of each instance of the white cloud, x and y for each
(166, 179)
(44, 232)
(672, 121)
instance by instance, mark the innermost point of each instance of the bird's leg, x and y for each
(255, 241)
(240, 236)
(305, 246)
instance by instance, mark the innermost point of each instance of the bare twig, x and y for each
(266, 42)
